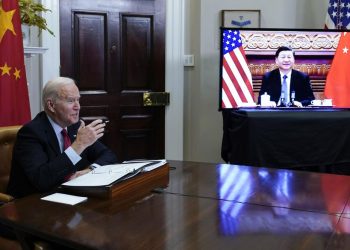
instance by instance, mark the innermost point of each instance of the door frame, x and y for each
(174, 69)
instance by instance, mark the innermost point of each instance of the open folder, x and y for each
(108, 174)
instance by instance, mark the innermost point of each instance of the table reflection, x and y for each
(239, 184)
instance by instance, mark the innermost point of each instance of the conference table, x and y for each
(287, 137)
(204, 206)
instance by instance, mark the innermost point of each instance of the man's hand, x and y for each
(273, 104)
(79, 173)
(298, 104)
(87, 135)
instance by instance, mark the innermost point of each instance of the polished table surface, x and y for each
(287, 137)
(205, 206)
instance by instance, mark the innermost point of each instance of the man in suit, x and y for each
(297, 90)
(43, 156)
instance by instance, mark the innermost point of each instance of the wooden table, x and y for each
(205, 206)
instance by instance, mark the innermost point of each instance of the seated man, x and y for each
(44, 156)
(285, 85)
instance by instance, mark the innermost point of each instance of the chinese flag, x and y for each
(14, 100)
(338, 78)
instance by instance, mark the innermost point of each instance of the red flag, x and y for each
(237, 87)
(338, 78)
(14, 100)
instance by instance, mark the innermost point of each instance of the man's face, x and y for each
(66, 107)
(285, 60)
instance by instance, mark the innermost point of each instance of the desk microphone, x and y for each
(292, 98)
(283, 100)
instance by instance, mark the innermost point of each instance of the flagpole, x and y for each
(338, 15)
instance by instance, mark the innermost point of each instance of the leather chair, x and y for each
(7, 141)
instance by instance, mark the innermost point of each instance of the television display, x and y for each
(246, 55)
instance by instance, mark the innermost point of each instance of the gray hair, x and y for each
(51, 88)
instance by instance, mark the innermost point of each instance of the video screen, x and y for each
(249, 67)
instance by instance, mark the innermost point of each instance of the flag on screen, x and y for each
(338, 78)
(237, 87)
(14, 100)
(338, 14)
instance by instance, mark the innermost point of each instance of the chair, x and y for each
(7, 141)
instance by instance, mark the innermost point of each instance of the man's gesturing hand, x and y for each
(87, 135)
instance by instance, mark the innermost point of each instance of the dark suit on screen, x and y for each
(38, 164)
(300, 83)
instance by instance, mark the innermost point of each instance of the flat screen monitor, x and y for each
(247, 54)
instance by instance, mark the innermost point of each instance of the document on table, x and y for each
(151, 164)
(64, 198)
(106, 175)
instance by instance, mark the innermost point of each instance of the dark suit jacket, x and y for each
(300, 83)
(38, 164)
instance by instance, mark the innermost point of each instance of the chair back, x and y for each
(7, 141)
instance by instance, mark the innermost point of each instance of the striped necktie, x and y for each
(285, 90)
(66, 139)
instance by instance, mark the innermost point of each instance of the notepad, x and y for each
(64, 198)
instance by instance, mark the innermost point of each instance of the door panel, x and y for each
(115, 52)
(90, 51)
(136, 52)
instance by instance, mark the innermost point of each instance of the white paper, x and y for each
(64, 198)
(105, 175)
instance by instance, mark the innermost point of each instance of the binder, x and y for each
(131, 186)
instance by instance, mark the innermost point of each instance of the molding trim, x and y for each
(31, 51)
(174, 80)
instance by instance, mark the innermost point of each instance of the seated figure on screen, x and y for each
(56, 146)
(285, 85)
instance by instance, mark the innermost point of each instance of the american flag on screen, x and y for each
(236, 79)
(338, 14)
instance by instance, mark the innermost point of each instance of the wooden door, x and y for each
(115, 50)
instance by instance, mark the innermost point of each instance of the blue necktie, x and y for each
(285, 90)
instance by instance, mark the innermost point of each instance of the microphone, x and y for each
(293, 96)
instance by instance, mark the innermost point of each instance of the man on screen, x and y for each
(286, 86)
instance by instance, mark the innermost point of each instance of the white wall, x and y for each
(203, 122)
(33, 73)
(42, 67)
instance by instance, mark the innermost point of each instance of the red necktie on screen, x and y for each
(66, 139)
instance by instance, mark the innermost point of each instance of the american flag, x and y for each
(338, 15)
(237, 87)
